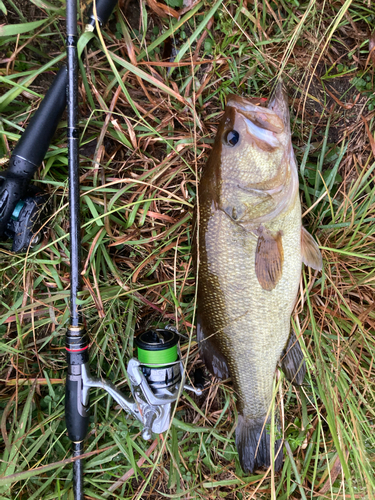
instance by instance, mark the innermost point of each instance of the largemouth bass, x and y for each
(250, 249)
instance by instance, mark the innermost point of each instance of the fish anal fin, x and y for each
(292, 361)
(269, 256)
(253, 445)
(210, 354)
(311, 255)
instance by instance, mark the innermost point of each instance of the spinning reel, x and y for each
(156, 378)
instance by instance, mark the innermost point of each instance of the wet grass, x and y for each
(152, 92)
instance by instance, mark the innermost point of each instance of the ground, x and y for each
(150, 102)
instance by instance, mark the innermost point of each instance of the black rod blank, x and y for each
(78, 471)
(73, 159)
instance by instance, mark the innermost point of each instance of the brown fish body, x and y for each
(250, 258)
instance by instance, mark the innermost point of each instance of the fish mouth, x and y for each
(261, 117)
(262, 134)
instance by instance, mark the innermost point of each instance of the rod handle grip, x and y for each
(76, 412)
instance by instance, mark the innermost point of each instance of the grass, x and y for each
(147, 127)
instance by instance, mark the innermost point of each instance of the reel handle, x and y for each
(26, 220)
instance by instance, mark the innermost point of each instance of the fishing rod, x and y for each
(21, 205)
(76, 339)
(157, 376)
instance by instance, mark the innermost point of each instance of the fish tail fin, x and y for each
(253, 445)
(293, 361)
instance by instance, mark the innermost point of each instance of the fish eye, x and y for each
(232, 138)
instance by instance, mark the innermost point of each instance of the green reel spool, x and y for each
(157, 347)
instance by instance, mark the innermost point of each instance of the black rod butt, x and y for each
(78, 471)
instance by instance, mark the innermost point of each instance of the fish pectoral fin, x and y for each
(311, 255)
(269, 257)
(292, 361)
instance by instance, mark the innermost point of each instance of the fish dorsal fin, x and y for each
(269, 257)
(311, 255)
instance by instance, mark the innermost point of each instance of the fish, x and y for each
(250, 245)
